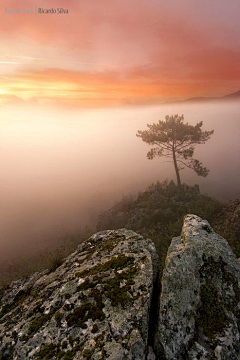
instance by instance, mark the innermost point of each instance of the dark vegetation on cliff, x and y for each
(227, 224)
(158, 213)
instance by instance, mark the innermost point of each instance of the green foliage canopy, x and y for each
(176, 140)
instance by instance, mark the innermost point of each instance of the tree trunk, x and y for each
(176, 168)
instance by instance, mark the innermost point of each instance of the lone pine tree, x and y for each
(175, 139)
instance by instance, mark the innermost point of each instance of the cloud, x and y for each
(75, 88)
(120, 52)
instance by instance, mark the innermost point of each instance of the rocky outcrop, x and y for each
(94, 306)
(200, 299)
(104, 302)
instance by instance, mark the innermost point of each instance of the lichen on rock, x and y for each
(103, 302)
(94, 306)
(200, 299)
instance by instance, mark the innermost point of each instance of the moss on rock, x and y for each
(211, 315)
(116, 263)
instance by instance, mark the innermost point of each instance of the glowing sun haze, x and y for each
(113, 52)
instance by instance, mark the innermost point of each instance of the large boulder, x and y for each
(94, 306)
(199, 314)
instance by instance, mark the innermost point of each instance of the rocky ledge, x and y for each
(94, 306)
(200, 300)
(103, 302)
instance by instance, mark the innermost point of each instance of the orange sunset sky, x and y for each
(113, 52)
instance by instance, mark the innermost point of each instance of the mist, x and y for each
(60, 168)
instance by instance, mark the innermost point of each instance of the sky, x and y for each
(117, 52)
(76, 87)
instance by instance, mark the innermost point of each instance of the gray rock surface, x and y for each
(97, 304)
(199, 314)
(94, 306)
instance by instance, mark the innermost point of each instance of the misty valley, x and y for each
(114, 245)
(57, 179)
(120, 180)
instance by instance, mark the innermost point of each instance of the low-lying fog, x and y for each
(60, 168)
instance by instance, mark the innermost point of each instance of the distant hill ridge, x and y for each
(232, 96)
